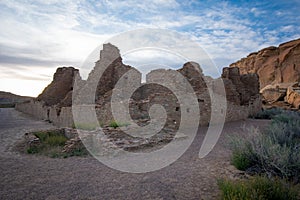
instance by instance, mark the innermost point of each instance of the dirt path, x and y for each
(36, 177)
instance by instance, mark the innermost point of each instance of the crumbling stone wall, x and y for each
(54, 104)
(59, 90)
(242, 92)
(59, 116)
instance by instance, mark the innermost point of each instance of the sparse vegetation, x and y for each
(7, 105)
(88, 127)
(51, 144)
(275, 152)
(268, 113)
(259, 188)
(115, 124)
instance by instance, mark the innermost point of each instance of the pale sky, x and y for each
(37, 36)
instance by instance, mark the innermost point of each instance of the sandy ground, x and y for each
(37, 177)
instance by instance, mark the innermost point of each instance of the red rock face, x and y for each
(293, 95)
(59, 90)
(273, 64)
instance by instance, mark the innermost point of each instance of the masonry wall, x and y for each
(242, 92)
(61, 117)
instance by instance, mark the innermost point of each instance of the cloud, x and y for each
(257, 12)
(51, 33)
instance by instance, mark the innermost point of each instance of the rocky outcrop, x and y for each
(273, 64)
(293, 95)
(59, 90)
(274, 93)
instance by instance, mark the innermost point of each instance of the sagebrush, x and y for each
(275, 151)
(257, 188)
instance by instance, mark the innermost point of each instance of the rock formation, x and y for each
(293, 95)
(278, 69)
(273, 64)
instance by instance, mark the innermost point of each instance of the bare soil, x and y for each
(38, 177)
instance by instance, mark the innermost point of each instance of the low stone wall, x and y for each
(237, 112)
(61, 117)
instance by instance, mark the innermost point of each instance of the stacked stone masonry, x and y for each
(54, 104)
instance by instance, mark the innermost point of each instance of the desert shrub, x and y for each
(275, 151)
(115, 124)
(268, 113)
(7, 105)
(42, 136)
(33, 150)
(51, 144)
(80, 151)
(57, 140)
(260, 188)
(88, 127)
(241, 160)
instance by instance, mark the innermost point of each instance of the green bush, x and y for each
(76, 152)
(275, 151)
(42, 136)
(114, 124)
(33, 150)
(50, 142)
(88, 127)
(7, 105)
(57, 140)
(241, 161)
(268, 113)
(258, 188)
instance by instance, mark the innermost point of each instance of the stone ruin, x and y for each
(54, 104)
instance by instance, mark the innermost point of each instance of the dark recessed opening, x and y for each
(177, 109)
(200, 100)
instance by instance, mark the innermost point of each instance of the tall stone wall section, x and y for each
(242, 93)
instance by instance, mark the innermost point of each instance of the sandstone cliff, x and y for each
(273, 64)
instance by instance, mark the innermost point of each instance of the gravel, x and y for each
(38, 177)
